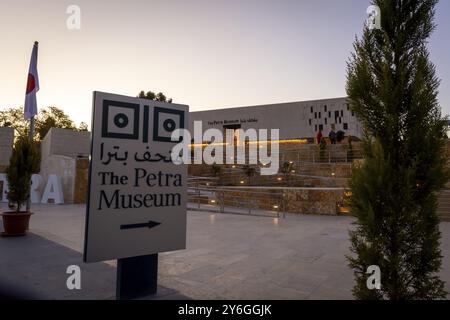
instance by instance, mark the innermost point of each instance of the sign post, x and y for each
(137, 276)
(137, 196)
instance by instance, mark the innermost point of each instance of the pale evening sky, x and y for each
(207, 54)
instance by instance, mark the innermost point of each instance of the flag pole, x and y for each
(30, 137)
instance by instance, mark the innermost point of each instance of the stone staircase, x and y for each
(444, 205)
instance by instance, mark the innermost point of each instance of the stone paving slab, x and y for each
(33, 267)
(227, 256)
(38, 267)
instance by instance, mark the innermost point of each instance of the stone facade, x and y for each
(62, 153)
(294, 200)
(313, 201)
(81, 181)
(64, 168)
(67, 143)
(294, 120)
(335, 170)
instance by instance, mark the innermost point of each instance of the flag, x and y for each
(30, 109)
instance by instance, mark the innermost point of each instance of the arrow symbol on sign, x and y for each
(150, 224)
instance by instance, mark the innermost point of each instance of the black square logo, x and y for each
(166, 121)
(120, 120)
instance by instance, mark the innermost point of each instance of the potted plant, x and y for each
(23, 163)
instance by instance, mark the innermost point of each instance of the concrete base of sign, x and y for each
(137, 277)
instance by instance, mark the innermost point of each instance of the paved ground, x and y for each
(227, 257)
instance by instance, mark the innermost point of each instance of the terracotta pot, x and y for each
(16, 224)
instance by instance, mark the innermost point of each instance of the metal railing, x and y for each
(310, 155)
(321, 156)
(303, 175)
(236, 201)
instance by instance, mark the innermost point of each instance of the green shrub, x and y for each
(23, 163)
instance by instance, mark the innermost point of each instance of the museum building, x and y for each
(298, 122)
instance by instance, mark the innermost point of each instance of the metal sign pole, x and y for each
(137, 277)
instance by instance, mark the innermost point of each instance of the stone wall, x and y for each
(81, 180)
(66, 142)
(305, 175)
(334, 171)
(73, 173)
(65, 168)
(294, 200)
(64, 153)
(337, 170)
(313, 201)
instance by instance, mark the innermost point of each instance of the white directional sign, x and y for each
(137, 195)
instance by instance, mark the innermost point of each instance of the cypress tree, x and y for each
(393, 88)
(23, 163)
